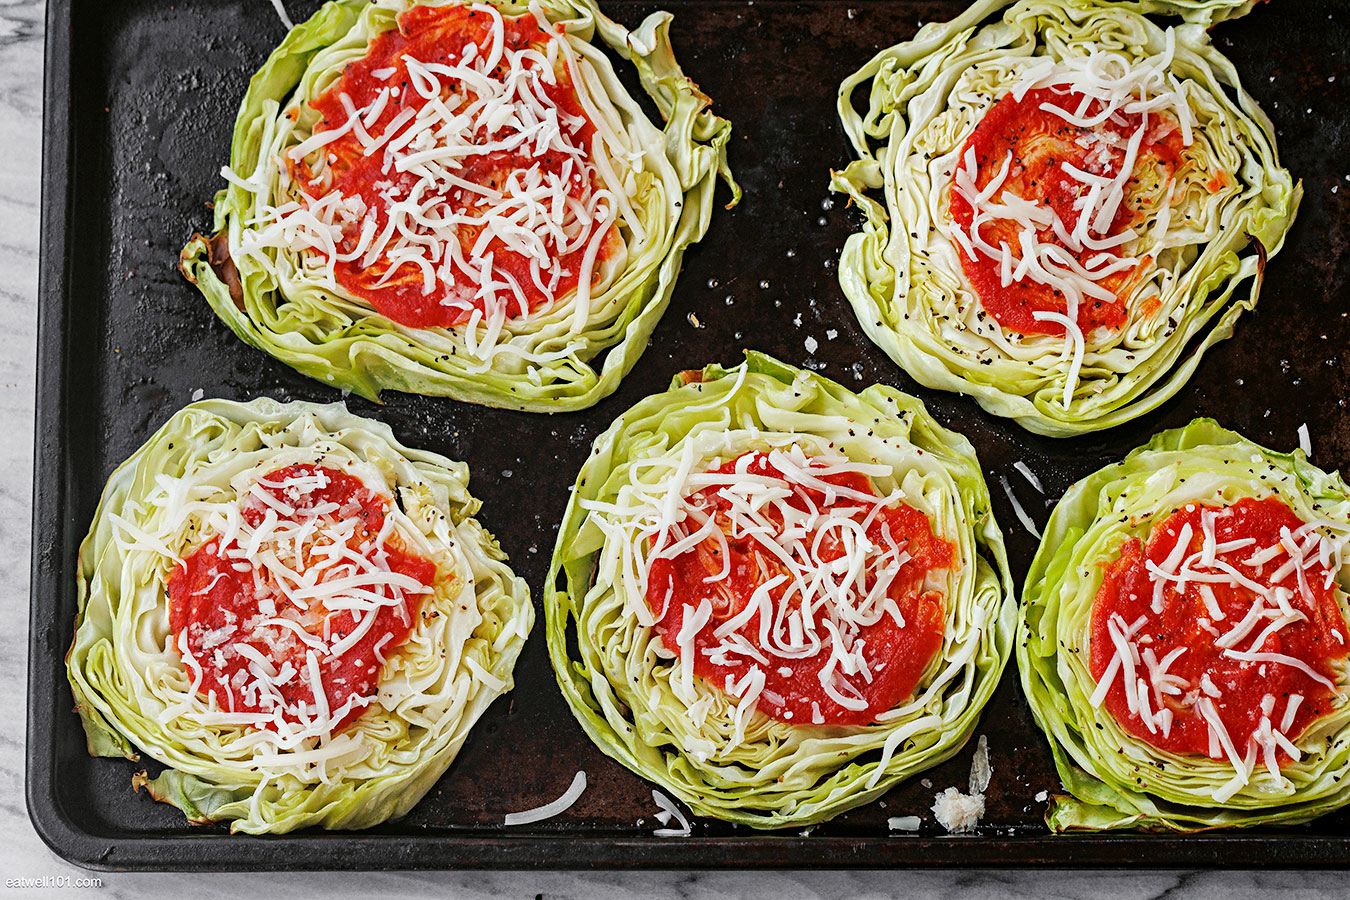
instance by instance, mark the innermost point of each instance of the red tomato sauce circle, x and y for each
(431, 34)
(217, 605)
(1127, 590)
(896, 655)
(1040, 141)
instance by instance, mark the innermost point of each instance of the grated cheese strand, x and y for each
(553, 807)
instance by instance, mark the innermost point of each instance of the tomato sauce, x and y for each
(1040, 142)
(438, 35)
(1320, 642)
(217, 605)
(897, 655)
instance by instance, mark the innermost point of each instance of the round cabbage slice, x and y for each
(713, 745)
(1069, 278)
(137, 679)
(547, 331)
(1115, 778)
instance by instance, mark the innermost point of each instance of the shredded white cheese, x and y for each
(1030, 476)
(552, 808)
(980, 770)
(1283, 597)
(960, 813)
(281, 14)
(1018, 509)
(670, 811)
(1120, 87)
(957, 812)
(480, 104)
(298, 555)
(818, 604)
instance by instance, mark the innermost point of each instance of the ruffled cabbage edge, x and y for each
(875, 265)
(783, 775)
(108, 667)
(366, 354)
(1087, 744)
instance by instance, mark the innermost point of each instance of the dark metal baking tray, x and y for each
(141, 96)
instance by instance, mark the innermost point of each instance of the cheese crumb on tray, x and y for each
(957, 812)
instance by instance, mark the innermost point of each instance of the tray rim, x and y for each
(54, 544)
(52, 826)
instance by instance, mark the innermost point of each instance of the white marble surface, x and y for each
(22, 854)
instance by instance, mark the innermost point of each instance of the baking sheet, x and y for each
(141, 98)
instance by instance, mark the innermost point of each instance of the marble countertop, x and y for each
(23, 855)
